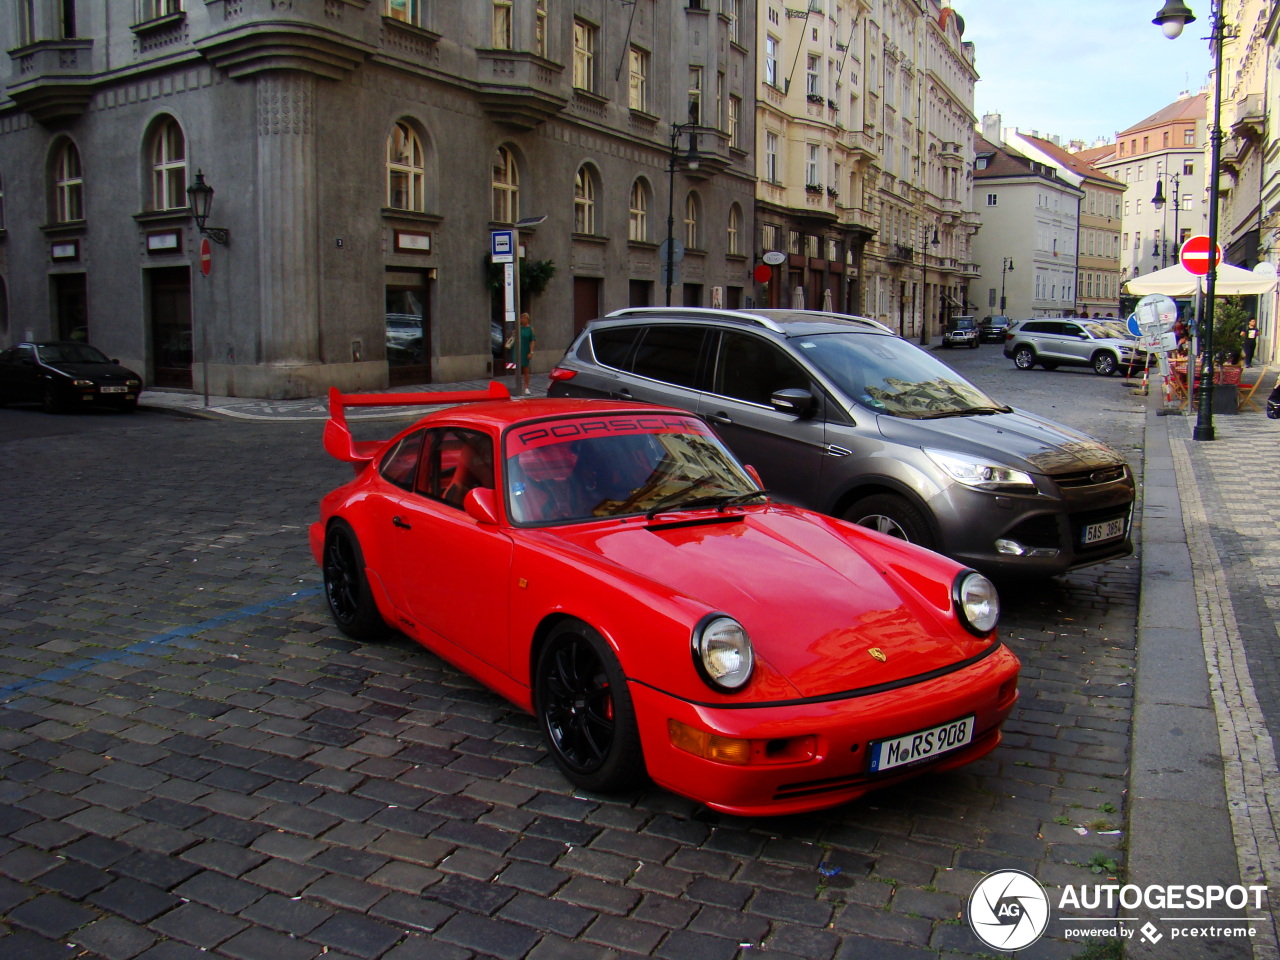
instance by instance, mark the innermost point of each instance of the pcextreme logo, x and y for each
(1010, 910)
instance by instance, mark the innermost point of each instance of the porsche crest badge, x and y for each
(878, 654)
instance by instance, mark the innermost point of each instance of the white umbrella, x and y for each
(797, 299)
(827, 302)
(1177, 281)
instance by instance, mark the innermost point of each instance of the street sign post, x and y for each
(502, 249)
(1194, 256)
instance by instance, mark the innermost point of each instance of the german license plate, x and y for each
(1106, 530)
(887, 754)
(113, 389)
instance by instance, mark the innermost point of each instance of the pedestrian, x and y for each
(527, 339)
(1250, 341)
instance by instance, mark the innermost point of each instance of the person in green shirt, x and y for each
(527, 339)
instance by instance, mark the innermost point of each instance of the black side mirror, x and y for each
(794, 400)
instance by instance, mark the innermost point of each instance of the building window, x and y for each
(1189, 137)
(506, 187)
(812, 86)
(584, 202)
(540, 29)
(719, 118)
(991, 199)
(584, 55)
(406, 172)
(769, 237)
(409, 11)
(26, 22)
(735, 230)
(168, 167)
(1166, 138)
(733, 10)
(502, 25)
(771, 61)
(155, 9)
(1188, 168)
(735, 121)
(1, 218)
(811, 177)
(695, 95)
(771, 157)
(639, 94)
(638, 226)
(68, 185)
(691, 222)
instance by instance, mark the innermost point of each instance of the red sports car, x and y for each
(612, 569)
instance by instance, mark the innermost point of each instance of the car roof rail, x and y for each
(706, 312)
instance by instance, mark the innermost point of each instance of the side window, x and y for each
(670, 354)
(1072, 330)
(401, 461)
(1034, 328)
(612, 345)
(751, 369)
(26, 352)
(457, 462)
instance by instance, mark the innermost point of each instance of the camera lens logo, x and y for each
(1008, 910)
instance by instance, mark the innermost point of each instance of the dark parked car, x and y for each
(1064, 341)
(961, 332)
(993, 329)
(64, 375)
(840, 415)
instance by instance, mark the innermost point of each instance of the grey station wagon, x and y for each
(840, 415)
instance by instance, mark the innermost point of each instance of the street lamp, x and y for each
(1006, 267)
(1173, 16)
(1158, 202)
(924, 279)
(691, 163)
(200, 199)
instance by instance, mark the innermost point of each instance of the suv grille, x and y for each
(1091, 478)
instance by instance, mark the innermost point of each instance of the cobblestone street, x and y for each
(194, 759)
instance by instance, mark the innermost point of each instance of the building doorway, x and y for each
(171, 339)
(70, 307)
(586, 302)
(408, 327)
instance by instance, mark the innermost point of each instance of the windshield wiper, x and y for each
(967, 412)
(721, 501)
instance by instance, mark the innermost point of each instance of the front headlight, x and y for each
(722, 652)
(977, 603)
(981, 474)
(83, 383)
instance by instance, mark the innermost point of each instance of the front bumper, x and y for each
(841, 731)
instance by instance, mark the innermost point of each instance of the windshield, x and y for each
(889, 375)
(69, 353)
(1103, 331)
(570, 470)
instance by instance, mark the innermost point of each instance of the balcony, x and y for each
(519, 90)
(901, 253)
(713, 153)
(949, 150)
(252, 36)
(53, 79)
(969, 270)
(1251, 118)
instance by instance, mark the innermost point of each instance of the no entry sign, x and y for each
(1194, 256)
(206, 256)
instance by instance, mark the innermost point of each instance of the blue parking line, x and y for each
(160, 639)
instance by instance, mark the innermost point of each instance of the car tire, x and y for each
(346, 586)
(585, 711)
(1049, 364)
(50, 401)
(973, 345)
(1104, 364)
(129, 406)
(893, 515)
(1024, 358)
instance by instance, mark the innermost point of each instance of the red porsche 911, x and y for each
(611, 568)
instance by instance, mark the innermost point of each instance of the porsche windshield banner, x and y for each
(1009, 910)
(532, 435)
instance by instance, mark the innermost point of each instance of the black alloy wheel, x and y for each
(50, 401)
(894, 516)
(585, 710)
(347, 588)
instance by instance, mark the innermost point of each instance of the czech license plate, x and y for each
(887, 754)
(1106, 530)
(114, 389)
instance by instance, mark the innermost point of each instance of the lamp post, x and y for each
(1173, 16)
(1005, 267)
(924, 279)
(691, 163)
(1158, 202)
(200, 198)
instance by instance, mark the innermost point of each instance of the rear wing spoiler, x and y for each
(338, 442)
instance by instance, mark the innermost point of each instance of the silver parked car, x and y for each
(840, 415)
(1057, 341)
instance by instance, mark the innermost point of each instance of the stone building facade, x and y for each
(361, 153)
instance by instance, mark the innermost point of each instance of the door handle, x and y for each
(396, 521)
(624, 395)
(720, 417)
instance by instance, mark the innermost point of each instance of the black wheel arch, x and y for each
(871, 486)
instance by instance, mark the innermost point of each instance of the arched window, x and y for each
(506, 187)
(638, 228)
(405, 170)
(691, 222)
(735, 230)
(68, 185)
(168, 166)
(584, 202)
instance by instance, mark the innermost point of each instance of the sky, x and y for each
(1083, 70)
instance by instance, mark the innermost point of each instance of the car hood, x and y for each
(813, 606)
(1018, 439)
(94, 371)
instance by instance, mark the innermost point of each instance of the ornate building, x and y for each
(361, 152)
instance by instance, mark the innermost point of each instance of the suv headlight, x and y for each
(976, 601)
(722, 652)
(981, 474)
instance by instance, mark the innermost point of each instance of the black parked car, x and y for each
(63, 375)
(993, 329)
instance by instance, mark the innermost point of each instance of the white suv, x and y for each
(1055, 341)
